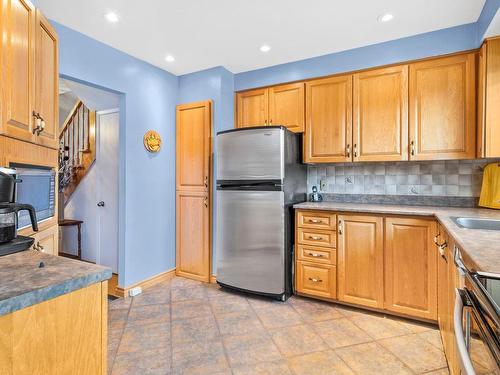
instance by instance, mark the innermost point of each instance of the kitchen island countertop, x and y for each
(480, 248)
(24, 283)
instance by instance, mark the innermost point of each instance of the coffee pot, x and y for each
(9, 209)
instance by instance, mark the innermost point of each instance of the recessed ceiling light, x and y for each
(385, 17)
(265, 48)
(169, 58)
(112, 17)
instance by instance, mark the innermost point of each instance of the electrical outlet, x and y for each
(323, 184)
(412, 189)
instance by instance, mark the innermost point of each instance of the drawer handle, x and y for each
(316, 255)
(315, 238)
(314, 221)
(315, 280)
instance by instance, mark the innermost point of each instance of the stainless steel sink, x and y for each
(475, 223)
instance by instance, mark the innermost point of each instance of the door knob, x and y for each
(100, 204)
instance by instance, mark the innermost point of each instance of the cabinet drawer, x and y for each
(316, 220)
(316, 280)
(316, 237)
(316, 254)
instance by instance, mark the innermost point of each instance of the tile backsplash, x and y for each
(459, 178)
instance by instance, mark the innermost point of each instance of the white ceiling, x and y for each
(201, 34)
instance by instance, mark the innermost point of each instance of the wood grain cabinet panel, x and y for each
(488, 144)
(316, 237)
(252, 108)
(317, 220)
(411, 267)
(443, 108)
(47, 81)
(17, 68)
(360, 260)
(380, 115)
(194, 136)
(316, 280)
(328, 120)
(286, 106)
(47, 240)
(193, 235)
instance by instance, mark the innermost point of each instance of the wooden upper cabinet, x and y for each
(488, 143)
(46, 82)
(360, 260)
(277, 105)
(18, 53)
(252, 108)
(411, 267)
(286, 106)
(193, 145)
(380, 114)
(328, 120)
(442, 108)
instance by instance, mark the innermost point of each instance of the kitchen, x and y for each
(312, 212)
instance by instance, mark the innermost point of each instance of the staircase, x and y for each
(77, 149)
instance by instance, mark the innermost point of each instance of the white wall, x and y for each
(83, 206)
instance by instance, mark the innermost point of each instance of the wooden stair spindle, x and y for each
(77, 147)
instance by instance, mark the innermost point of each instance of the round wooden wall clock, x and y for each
(152, 141)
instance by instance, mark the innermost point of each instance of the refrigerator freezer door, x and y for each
(251, 154)
(250, 240)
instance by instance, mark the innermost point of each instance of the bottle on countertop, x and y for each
(315, 196)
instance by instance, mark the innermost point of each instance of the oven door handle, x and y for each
(461, 341)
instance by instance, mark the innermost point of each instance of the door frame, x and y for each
(98, 217)
(209, 189)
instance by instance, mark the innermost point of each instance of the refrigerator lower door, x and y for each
(250, 240)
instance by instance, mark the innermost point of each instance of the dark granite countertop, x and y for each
(480, 248)
(23, 283)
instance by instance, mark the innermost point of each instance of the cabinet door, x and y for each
(193, 235)
(17, 68)
(328, 120)
(443, 108)
(380, 123)
(360, 260)
(492, 119)
(252, 108)
(46, 241)
(46, 81)
(286, 106)
(194, 143)
(411, 267)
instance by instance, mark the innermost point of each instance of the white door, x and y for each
(108, 123)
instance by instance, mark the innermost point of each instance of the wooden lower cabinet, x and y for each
(64, 335)
(193, 235)
(360, 260)
(316, 279)
(47, 240)
(410, 267)
(448, 281)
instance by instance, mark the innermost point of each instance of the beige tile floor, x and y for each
(186, 327)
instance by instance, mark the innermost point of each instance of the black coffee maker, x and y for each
(9, 240)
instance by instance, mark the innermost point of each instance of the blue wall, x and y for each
(435, 43)
(147, 181)
(489, 10)
(215, 84)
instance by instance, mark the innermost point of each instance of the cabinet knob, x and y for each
(314, 221)
(314, 255)
(348, 151)
(340, 227)
(315, 238)
(355, 150)
(412, 148)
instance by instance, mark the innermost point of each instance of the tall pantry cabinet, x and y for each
(29, 79)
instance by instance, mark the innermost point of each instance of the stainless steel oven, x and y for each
(477, 321)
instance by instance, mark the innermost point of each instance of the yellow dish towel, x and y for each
(490, 192)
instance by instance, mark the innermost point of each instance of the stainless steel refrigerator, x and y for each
(259, 178)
